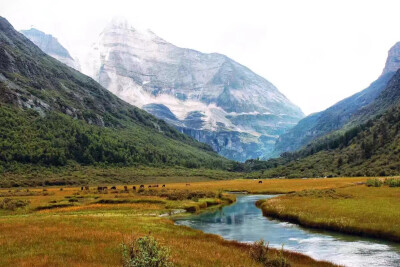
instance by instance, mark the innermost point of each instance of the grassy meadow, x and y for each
(360, 210)
(50, 226)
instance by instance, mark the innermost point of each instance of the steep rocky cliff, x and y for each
(208, 96)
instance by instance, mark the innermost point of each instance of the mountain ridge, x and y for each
(66, 116)
(344, 113)
(144, 69)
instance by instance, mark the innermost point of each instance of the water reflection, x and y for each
(243, 221)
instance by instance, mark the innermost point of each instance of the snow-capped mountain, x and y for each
(208, 96)
(50, 45)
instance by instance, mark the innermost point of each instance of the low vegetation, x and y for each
(89, 230)
(145, 252)
(372, 211)
(260, 252)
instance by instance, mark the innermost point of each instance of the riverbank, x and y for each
(356, 210)
(74, 227)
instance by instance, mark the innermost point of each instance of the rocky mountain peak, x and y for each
(50, 45)
(393, 59)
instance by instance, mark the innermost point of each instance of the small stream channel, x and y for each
(244, 222)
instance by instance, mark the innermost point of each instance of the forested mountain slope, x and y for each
(51, 114)
(370, 147)
(343, 114)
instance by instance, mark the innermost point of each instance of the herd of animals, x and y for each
(103, 188)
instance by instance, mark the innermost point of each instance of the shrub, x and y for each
(280, 260)
(12, 204)
(392, 182)
(145, 252)
(259, 251)
(374, 182)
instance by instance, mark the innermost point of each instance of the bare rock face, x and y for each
(50, 45)
(393, 59)
(204, 95)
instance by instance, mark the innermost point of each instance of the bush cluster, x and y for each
(13, 204)
(259, 251)
(145, 252)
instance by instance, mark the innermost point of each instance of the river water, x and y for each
(244, 222)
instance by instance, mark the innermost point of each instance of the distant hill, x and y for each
(52, 115)
(345, 113)
(371, 146)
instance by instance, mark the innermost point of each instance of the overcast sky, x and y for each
(315, 52)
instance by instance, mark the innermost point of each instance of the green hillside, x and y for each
(370, 147)
(52, 115)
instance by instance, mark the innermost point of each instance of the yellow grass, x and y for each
(90, 233)
(361, 210)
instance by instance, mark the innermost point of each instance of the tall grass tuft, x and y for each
(374, 182)
(259, 251)
(145, 252)
(392, 182)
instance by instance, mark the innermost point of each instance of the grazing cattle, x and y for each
(260, 182)
(187, 184)
(86, 187)
(163, 185)
(61, 189)
(105, 187)
(99, 188)
(134, 188)
(125, 188)
(141, 186)
(156, 185)
(149, 186)
(81, 187)
(113, 188)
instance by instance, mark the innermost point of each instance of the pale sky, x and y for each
(315, 52)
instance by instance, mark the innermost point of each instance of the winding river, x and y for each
(243, 221)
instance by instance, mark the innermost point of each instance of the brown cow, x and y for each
(125, 188)
(260, 182)
(187, 184)
(86, 187)
(113, 188)
(163, 185)
(149, 186)
(141, 186)
(134, 188)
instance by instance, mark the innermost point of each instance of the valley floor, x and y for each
(74, 227)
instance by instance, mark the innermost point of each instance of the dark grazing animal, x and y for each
(134, 188)
(142, 186)
(125, 188)
(86, 187)
(81, 187)
(163, 185)
(260, 182)
(187, 184)
(113, 188)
